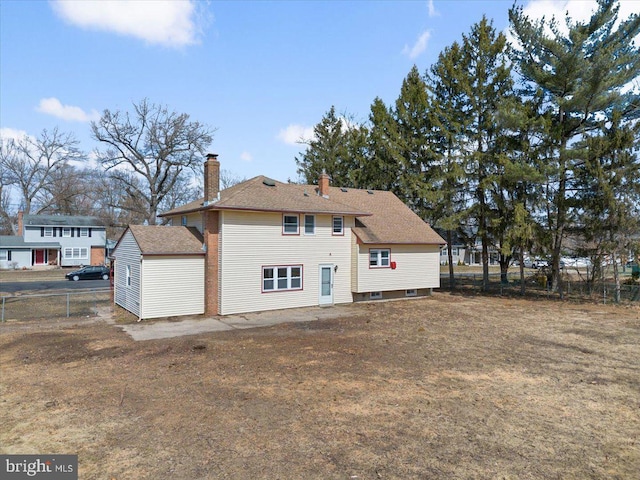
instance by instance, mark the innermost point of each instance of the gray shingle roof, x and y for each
(13, 241)
(62, 220)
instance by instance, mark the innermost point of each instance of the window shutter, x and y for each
(9, 255)
(42, 231)
(60, 232)
(72, 232)
(54, 231)
(78, 233)
(89, 233)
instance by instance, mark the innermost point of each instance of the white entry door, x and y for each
(326, 285)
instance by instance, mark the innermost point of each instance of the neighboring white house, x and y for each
(269, 245)
(63, 240)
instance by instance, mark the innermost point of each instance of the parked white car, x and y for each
(579, 262)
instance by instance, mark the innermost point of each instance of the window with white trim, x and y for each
(338, 226)
(412, 292)
(309, 224)
(4, 254)
(278, 278)
(48, 231)
(183, 220)
(66, 232)
(76, 253)
(379, 257)
(128, 275)
(375, 295)
(84, 232)
(290, 225)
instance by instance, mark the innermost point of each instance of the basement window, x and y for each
(375, 295)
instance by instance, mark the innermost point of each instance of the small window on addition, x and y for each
(375, 295)
(411, 292)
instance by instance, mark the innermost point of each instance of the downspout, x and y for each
(140, 283)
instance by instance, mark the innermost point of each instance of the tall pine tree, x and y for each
(580, 71)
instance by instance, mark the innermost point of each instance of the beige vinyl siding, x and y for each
(172, 285)
(194, 219)
(417, 266)
(127, 253)
(252, 240)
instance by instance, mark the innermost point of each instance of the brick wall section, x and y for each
(97, 256)
(211, 272)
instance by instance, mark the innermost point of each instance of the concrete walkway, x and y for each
(193, 326)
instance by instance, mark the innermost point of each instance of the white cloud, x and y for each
(12, 134)
(246, 157)
(578, 11)
(432, 10)
(295, 134)
(53, 106)
(163, 22)
(419, 47)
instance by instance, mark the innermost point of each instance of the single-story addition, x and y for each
(160, 271)
(266, 245)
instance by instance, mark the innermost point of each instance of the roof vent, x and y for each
(344, 190)
(370, 192)
(268, 182)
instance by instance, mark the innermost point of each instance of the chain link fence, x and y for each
(538, 285)
(54, 305)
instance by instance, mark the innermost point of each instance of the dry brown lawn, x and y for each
(443, 387)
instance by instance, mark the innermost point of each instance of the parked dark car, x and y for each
(89, 273)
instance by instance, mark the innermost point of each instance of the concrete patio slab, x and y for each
(194, 326)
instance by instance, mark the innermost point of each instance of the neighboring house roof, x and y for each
(163, 240)
(382, 217)
(62, 221)
(13, 241)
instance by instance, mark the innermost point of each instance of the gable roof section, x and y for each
(163, 240)
(382, 218)
(61, 221)
(391, 222)
(257, 195)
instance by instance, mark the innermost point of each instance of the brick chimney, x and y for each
(20, 223)
(211, 178)
(323, 184)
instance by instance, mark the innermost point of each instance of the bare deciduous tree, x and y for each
(149, 151)
(30, 163)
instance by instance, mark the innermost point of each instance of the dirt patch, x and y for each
(443, 387)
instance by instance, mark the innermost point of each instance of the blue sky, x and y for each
(261, 73)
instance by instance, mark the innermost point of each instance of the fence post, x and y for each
(67, 305)
(3, 298)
